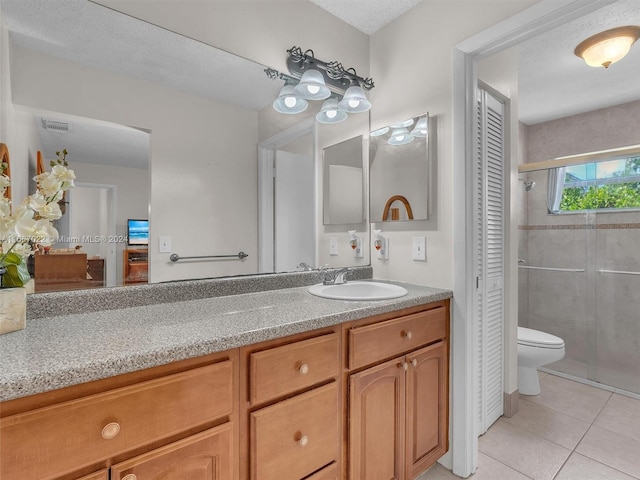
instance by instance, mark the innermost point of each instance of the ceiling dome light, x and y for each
(331, 112)
(420, 130)
(380, 131)
(354, 100)
(288, 102)
(400, 136)
(312, 86)
(607, 47)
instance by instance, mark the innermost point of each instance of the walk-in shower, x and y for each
(579, 268)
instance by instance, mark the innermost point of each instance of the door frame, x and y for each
(537, 19)
(111, 263)
(266, 155)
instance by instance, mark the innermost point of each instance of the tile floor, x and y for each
(570, 431)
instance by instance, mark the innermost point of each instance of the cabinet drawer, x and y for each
(330, 472)
(297, 437)
(101, 475)
(372, 343)
(289, 368)
(59, 439)
(204, 456)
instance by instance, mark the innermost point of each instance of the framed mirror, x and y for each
(343, 182)
(399, 171)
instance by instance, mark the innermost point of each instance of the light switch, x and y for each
(164, 244)
(333, 245)
(419, 249)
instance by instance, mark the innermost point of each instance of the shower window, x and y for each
(605, 185)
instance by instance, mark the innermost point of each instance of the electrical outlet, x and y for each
(333, 246)
(419, 249)
(164, 244)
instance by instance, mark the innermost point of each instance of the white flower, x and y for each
(5, 207)
(64, 175)
(46, 209)
(38, 231)
(4, 182)
(22, 249)
(48, 184)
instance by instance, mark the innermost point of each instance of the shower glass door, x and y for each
(616, 342)
(580, 275)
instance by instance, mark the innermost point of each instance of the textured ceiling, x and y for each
(368, 16)
(554, 83)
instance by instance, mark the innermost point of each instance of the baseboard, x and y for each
(511, 403)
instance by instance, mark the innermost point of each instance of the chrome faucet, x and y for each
(305, 266)
(337, 278)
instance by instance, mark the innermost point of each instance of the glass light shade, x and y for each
(379, 131)
(406, 123)
(400, 136)
(420, 130)
(288, 102)
(312, 86)
(355, 101)
(607, 47)
(331, 112)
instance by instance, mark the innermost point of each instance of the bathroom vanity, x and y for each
(268, 385)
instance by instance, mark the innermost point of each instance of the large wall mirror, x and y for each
(166, 129)
(399, 171)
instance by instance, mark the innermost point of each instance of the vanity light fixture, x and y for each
(379, 132)
(354, 100)
(312, 86)
(610, 46)
(400, 136)
(331, 112)
(288, 102)
(314, 79)
(420, 130)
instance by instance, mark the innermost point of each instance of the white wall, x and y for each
(411, 62)
(192, 141)
(11, 123)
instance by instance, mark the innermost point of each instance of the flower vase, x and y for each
(13, 309)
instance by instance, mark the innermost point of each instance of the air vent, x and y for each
(62, 127)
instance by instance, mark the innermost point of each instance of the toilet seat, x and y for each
(535, 338)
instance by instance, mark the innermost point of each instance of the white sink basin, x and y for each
(355, 290)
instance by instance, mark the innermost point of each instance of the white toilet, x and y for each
(535, 349)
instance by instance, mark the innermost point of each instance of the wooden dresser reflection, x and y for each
(67, 271)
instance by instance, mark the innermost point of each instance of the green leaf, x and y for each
(12, 258)
(16, 275)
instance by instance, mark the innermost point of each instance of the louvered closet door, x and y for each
(489, 259)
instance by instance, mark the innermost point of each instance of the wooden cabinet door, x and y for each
(427, 413)
(204, 456)
(376, 424)
(101, 475)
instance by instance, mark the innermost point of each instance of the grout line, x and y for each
(591, 383)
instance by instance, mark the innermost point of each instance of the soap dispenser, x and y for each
(356, 244)
(381, 244)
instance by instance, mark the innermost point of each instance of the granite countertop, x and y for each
(56, 352)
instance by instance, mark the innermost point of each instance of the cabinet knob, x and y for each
(408, 335)
(111, 430)
(403, 365)
(303, 440)
(304, 369)
(131, 476)
(414, 362)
